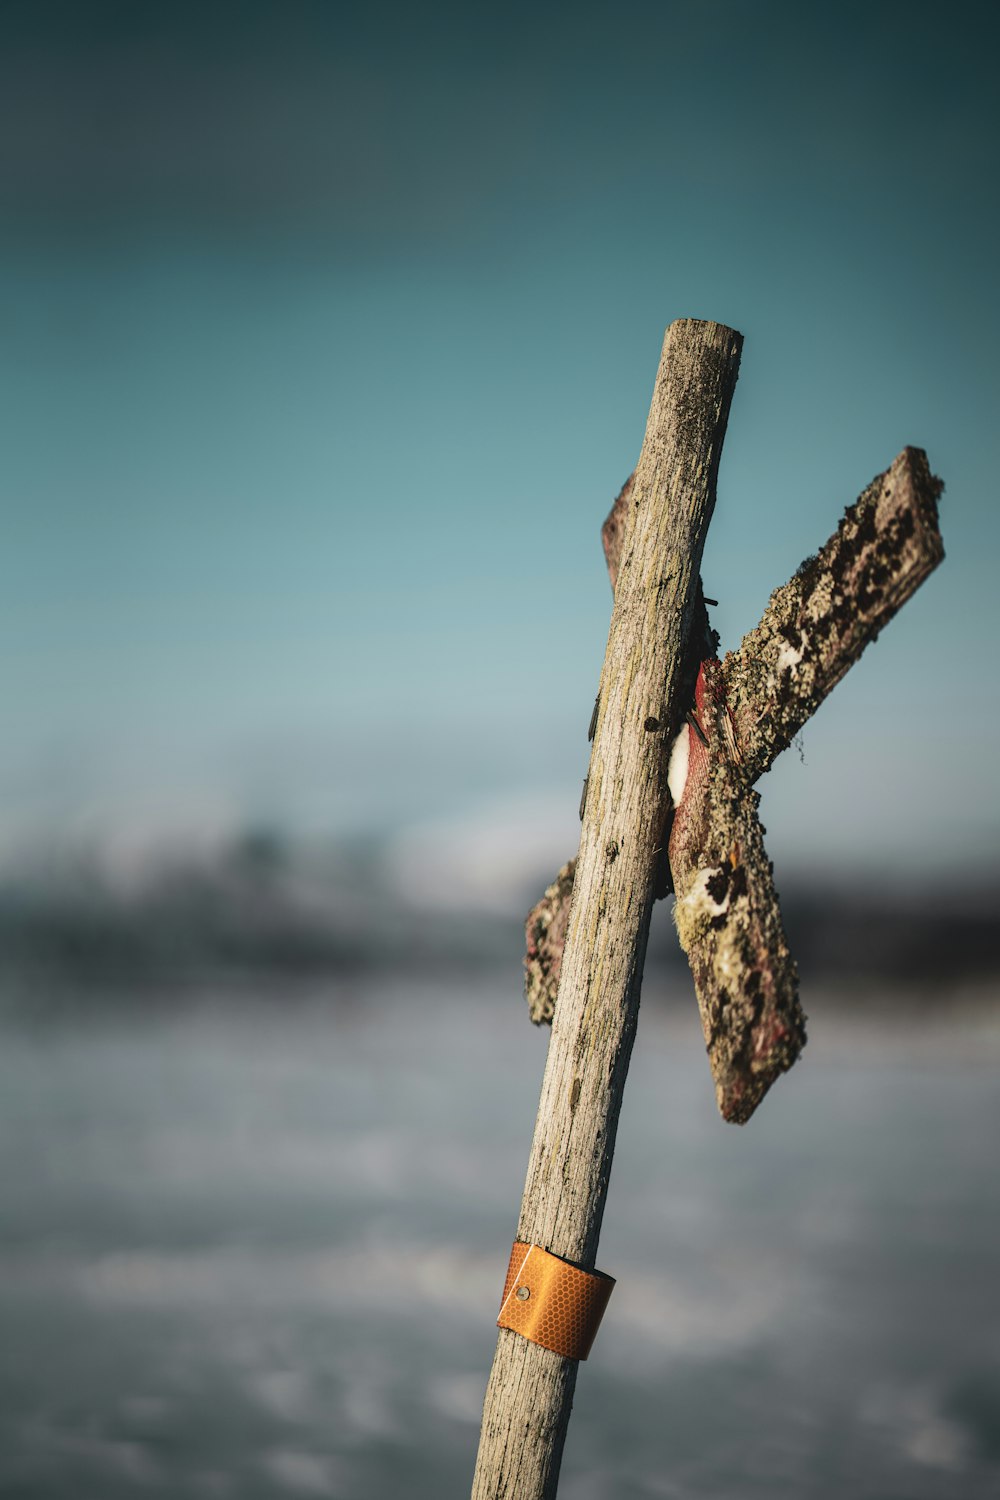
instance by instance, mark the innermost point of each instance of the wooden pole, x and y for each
(640, 706)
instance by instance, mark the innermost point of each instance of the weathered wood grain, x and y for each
(626, 810)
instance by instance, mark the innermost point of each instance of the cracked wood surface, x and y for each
(641, 702)
(727, 912)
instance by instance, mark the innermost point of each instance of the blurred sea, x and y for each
(254, 1236)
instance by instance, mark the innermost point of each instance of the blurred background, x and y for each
(327, 337)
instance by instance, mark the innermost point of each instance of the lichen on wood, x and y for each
(614, 527)
(817, 625)
(727, 912)
(546, 938)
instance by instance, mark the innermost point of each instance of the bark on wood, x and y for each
(727, 913)
(530, 1389)
(613, 529)
(815, 626)
(546, 941)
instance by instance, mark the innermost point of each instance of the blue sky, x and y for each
(328, 339)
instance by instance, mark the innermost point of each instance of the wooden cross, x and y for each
(680, 738)
(745, 711)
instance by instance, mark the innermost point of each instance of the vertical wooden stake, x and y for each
(530, 1391)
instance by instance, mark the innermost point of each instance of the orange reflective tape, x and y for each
(553, 1303)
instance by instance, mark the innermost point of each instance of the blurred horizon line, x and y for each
(263, 904)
